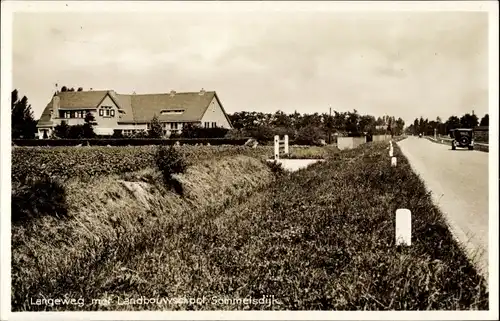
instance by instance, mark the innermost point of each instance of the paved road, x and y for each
(458, 181)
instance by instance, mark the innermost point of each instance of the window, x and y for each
(214, 124)
(106, 111)
(172, 111)
(67, 114)
(207, 124)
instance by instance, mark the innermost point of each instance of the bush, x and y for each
(234, 134)
(276, 168)
(282, 131)
(43, 196)
(170, 161)
(194, 131)
(309, 135)
(117, 134)
(262, 134)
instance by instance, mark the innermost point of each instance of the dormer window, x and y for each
(106, 111)
(172, 111)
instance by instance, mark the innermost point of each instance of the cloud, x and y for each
(402, 63)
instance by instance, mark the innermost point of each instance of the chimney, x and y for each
(172, 93)
(202, 92)
(55, 106)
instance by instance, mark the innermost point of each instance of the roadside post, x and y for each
(403, 227)
(276, 147)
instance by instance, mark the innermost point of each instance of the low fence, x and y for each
(350, 142)
(127, 141)
(280, 145)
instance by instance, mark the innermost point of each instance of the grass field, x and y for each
(321, 238)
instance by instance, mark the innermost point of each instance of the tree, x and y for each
(76, 132)
(485, 121)
(352, 124)
(155, 131)
(329, 125)
(469, 121)
(80, 88)
(88, 127)
(61, 130)
(23, 122)
(309, 135)
(452, 123)
(280, 119)
(64, 89)
(415, 128)
(367, 124)
(399, 126)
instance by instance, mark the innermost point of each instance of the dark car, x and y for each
(462, 137)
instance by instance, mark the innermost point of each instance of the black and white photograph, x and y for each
(255, 159)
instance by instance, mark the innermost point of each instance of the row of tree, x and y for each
(426, 127)
(264, 126)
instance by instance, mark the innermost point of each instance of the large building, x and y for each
(131, 113)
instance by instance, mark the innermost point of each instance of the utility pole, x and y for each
(329, 127)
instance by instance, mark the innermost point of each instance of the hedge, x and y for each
(127, 141)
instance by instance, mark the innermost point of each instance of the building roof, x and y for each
(138, 108)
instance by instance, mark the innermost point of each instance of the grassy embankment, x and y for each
(319, 238)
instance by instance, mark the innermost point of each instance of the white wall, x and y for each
(380, 138)
(214, 113)
(106, 124)
(40, 132)
(350, 142)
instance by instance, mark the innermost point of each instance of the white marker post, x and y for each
(286, 144)
(403, 227)
(391, 152)
(276, 147)
(393, 161)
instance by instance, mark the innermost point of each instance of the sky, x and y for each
(404, 64)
